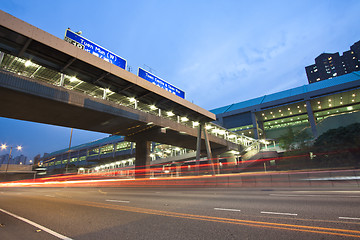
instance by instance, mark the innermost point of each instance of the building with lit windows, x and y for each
(109, 153)
(314, 108)
(329, 65)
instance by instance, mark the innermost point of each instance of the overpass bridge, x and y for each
(47, 80)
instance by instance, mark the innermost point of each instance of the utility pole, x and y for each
(67, 163)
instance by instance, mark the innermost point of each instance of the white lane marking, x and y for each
(227, 209)
(349, 218)
(278, 213)
(120, 201)
(58, 235)
(307, 195)
(327, 191)
(334, 178)
(285, 195)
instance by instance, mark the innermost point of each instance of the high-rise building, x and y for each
(329, 65)
(20, 159)
(4, 159)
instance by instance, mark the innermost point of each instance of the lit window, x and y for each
(184, 119)
(27, 63)
(73, 79)
(170, 114)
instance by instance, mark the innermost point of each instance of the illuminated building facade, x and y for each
(329, 65)
(314, 108)
(108, 153)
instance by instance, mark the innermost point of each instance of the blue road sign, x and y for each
(94, 49)
(161, 83)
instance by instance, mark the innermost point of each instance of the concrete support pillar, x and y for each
(255, 125)
(262, 128)
(62, 79)
(209, 154)
(198, 149)
(114, 150)
(104, 93)
(142, 159)
(311, 118)
(221, 121)
(132, 148)
(1, 56)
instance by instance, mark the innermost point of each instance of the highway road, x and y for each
(163, 213)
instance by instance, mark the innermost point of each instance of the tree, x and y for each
(293, 139)
(340, 138)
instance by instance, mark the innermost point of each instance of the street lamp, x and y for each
(3, 147)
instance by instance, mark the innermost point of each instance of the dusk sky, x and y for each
(218, 52)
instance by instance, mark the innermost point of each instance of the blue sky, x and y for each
(218, 52)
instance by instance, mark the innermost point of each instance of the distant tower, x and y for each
(329, 65)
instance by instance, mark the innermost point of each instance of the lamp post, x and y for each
(4, 146)
(67, 163)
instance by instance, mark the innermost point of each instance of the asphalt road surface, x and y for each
(159, 213)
